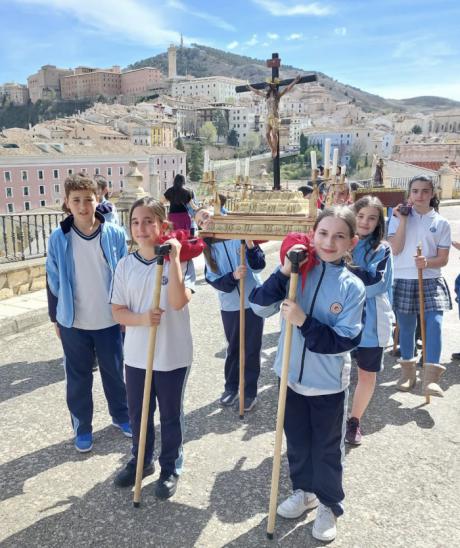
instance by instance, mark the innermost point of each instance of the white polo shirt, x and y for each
(133, 287)
(432, 231)
(91, 283)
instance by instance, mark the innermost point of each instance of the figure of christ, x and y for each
(272, 97)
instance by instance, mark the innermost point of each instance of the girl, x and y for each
(131, 301)
(327, 313)
(420, 223)
(374, 262)
(223, 271)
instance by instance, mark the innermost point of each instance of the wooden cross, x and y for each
(273, 96)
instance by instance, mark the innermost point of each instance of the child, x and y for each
(408, 227)
(131, 301)
(327, 314)
(104, 206)
(374, 260)
(82, 255)
(223, 271)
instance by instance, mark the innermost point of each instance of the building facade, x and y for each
(88, 82)
(46, 83)
(16, 94)
(218, 89)
(140, 81)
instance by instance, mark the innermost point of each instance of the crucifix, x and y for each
(272, 95)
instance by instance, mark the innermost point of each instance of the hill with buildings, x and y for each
(199, 61)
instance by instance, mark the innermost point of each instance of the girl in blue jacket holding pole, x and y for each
(328, 319)
(373, 264)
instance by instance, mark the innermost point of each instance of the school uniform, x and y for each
(319, 373)
(133, 287)
(80, 271)
(433, 232)
(227, 257)
(374, 267)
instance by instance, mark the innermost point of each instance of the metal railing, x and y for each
(25, 235)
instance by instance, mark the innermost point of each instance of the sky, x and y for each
(394, 48)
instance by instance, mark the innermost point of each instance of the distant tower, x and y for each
(181, 40)
(172, 71)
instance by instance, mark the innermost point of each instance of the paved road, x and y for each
(401, 485)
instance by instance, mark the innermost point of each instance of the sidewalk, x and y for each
(31, 309)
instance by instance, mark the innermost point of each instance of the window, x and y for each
(84, 170)
(26, 206)
(57, 189)
(158, 161)
(121, 171)
(42, 203)
(121, 184)
(9, 208)
(69, 172)
(41, 189)
(40, 174)
(56, 173)
(7, 176)
(24, 175)
(25, 191)
(9, 192)
(165, 174)
(110, 184)
(109, 171)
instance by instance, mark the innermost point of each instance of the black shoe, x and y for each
(127, 477)
(166, 485)
(228, 398)
(249, 403)
(456, 356)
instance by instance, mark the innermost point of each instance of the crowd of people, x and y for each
(357, 275)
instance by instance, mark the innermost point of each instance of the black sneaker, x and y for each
(249, 403)
(127, 477)
(228, 398)
(166, 485)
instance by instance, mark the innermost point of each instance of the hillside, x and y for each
(200, 61)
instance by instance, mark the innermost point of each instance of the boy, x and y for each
(104, 206)
(82, 255)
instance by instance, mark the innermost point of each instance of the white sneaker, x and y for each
(297, 504)
(325, 526)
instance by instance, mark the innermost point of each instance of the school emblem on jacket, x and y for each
(164, 280)
(336, 308)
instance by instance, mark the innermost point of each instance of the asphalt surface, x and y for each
(401, 484)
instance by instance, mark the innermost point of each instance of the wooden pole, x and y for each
(295, 257)
(242, 330)
(421, 300)
(148, 378)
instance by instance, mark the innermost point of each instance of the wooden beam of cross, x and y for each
(272, 95)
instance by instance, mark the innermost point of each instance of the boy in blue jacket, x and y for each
(82, 255)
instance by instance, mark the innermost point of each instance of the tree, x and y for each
(232, 138)
(208, 133)
(180, 144)
(303, 143)
(416, 129)
(220, 123)
(252, 142)
(195, 162)
(356, 153)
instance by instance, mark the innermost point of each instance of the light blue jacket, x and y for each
(333, 299)
(60, 270)
(227, 257)
(375, 269)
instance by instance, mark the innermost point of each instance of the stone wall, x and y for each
(22, 277)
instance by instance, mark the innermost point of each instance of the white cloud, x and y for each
(252, 41)
(279, 9)
(340, 31)
(273, 35)
(423, 51)
(130, 20)
(232, 45)
(295, 36)
(213, 19)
